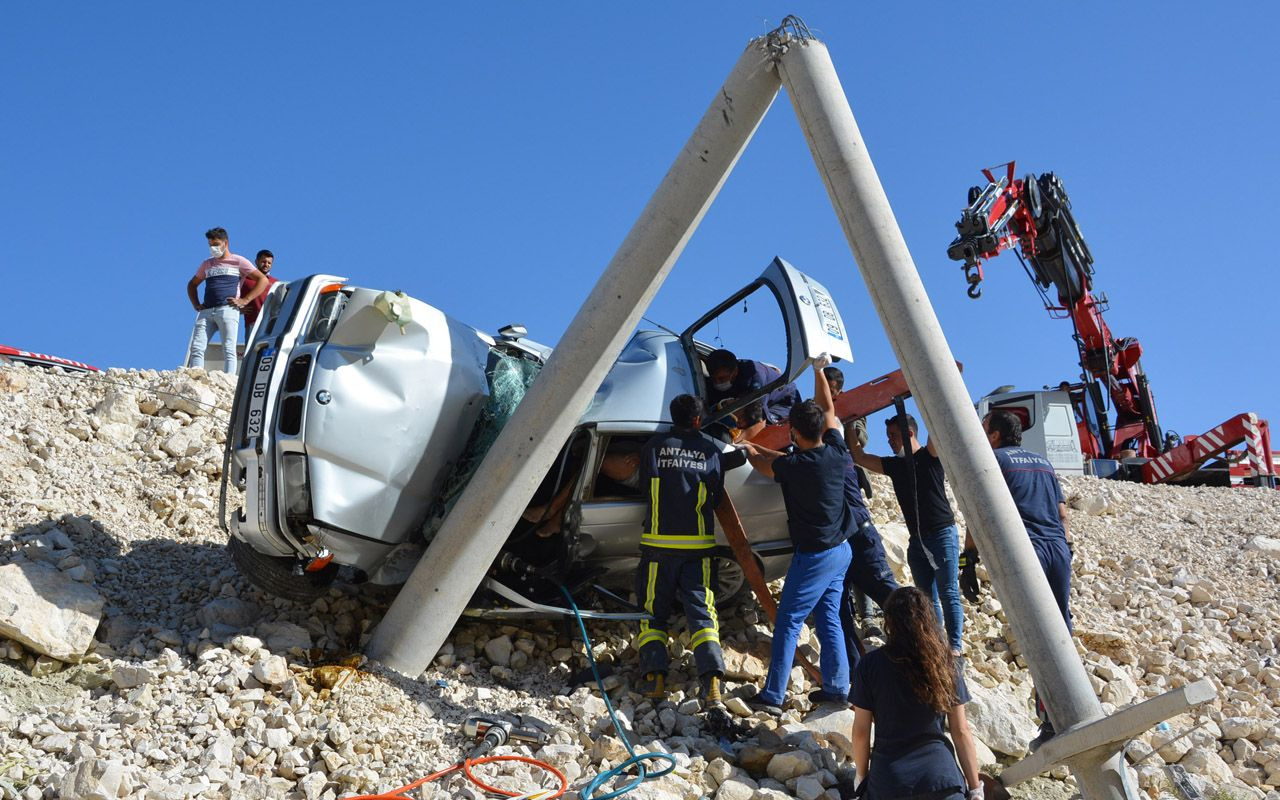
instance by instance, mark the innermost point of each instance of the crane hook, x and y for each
(975, 291)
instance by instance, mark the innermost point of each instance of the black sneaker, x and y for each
(870, 630)
(756, 704)
(819, 696)
(1046, 733)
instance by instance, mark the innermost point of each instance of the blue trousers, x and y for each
(934, 558)
(815, 584)
(868, 572)
(1055, 560)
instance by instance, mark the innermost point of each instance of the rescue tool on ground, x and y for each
(1032, 217)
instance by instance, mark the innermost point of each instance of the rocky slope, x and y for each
(196, 685)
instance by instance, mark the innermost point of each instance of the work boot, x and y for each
(653, 686)
(710, 695)
(1046, 733)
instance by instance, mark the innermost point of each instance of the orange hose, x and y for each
(465, 766)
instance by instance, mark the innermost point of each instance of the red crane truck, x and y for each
(1032, 217)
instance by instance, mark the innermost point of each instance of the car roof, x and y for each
(651, 370)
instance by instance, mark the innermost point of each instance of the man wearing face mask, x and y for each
(221, 274)
(732, 377)
(933, 552)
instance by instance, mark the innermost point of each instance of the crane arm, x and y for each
(1032, 216)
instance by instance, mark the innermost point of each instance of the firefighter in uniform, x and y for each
(684, 476)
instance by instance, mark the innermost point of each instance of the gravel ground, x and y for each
(196, 685)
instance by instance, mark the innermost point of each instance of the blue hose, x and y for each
(636, 760)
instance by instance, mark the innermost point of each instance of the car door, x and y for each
(632, 403)
(811, 325)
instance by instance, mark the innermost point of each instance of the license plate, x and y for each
(258, 397)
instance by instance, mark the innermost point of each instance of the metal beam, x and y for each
(457, 559)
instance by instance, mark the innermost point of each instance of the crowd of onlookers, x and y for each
(232, 287)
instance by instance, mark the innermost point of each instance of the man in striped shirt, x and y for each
(221, 275)
(682, 473)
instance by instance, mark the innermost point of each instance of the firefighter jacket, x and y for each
(684, 477)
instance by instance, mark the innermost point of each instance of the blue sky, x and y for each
(490, 163)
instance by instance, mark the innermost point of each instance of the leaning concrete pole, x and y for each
(917, 339)
(455, 563)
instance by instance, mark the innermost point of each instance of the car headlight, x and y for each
(297, 492)
(332, 301)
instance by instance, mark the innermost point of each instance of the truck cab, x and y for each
(1049, 425)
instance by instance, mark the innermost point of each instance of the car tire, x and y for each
(732, 587)
(275, 576)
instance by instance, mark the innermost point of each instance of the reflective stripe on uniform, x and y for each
(650, 635)
(697, 511)
(710, 595)
(653, 504)
(647, 634)
(678, 542)
(703, 636)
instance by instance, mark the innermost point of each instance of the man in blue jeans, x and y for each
(221, 275)
(933, 552)
(818, 521)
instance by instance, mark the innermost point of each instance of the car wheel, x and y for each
(732, 587)
(275, 576)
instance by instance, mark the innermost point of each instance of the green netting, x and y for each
(509, 380)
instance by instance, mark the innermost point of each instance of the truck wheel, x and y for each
(275, 575)
(732, 587)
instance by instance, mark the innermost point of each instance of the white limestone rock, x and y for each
(271, 671)
(191, 397)
(999, 719)
(498, 650)
(119, 405)
(1266, 545)
(792, 764)
(47, 611)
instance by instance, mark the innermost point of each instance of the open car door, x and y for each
(809, 322)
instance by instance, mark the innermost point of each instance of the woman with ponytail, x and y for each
(906, 689)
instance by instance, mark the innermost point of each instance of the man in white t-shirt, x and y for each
(221, 275)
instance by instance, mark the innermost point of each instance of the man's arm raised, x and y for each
(822, 393)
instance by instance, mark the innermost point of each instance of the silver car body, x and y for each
(354, 406)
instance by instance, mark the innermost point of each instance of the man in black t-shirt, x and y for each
(682, 474)
(869, 577)
(933, 552)
(818, 520)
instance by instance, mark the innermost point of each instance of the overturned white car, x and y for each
(361, 414)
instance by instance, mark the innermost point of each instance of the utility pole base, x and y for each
(1096, 743)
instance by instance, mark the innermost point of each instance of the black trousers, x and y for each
(685, 578)
(869, 571)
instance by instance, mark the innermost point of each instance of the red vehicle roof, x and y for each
(43, 360)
